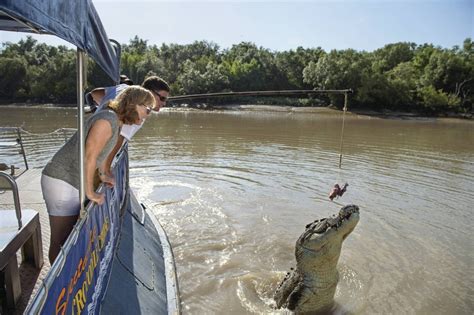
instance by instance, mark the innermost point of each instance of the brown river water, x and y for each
(235, 189)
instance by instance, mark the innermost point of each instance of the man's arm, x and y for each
(97, 95)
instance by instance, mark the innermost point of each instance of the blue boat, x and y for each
(118, 258)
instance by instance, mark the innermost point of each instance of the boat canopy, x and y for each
(76, 22)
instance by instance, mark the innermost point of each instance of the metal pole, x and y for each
(80, 126)
(18, 131)
(16, 197)
(85, 66)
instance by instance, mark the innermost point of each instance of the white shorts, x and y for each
(61, 198)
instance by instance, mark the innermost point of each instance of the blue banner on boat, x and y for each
(79, 285)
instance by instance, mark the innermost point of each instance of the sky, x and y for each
(284, 25)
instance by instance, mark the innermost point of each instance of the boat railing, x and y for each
(17, 144)
(11, 144)
(7, 182)
(78, 278)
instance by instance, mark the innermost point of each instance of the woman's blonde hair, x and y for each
(125, 104)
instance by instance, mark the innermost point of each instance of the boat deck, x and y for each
(29, 188)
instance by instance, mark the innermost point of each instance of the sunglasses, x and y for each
(148, 109)
(162, 98)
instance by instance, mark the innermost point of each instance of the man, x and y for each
(99, 93)
(160, 90)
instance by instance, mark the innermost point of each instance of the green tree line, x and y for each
(399, 76)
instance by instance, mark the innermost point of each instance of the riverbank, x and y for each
(388, 114)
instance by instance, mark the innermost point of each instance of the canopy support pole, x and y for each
(80, 126)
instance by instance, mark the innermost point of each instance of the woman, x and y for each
(60, 178)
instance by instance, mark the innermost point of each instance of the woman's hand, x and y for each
(95, 197)
(108, 179)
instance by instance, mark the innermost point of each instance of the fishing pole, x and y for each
(258, 93)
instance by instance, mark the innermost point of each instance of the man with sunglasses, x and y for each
(160, 90)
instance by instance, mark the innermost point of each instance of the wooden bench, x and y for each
(18, 230)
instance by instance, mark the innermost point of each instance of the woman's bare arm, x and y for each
(99, 134)
(105, 167)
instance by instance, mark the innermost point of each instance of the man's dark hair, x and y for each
(155, 83)
(125, 80)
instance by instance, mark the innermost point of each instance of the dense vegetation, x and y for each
(400, 76)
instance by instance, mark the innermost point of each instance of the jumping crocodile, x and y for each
(311, 286)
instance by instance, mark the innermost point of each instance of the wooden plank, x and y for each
(12, 282)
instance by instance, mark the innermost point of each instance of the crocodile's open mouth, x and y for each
(320, 232)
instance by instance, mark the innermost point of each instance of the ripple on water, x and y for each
(169, 194)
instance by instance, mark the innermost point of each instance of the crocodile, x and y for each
(310, 287)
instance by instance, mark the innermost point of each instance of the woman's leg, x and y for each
(61, 227)
(62, 202)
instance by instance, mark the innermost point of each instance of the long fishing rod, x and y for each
(258, 93)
